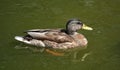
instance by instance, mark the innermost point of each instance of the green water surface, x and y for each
(17, 16)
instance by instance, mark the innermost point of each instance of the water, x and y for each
(104, 44)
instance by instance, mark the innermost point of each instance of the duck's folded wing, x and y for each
(50, 34)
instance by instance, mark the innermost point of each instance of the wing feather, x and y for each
(56, 35)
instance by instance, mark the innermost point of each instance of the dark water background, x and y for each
(17, 16)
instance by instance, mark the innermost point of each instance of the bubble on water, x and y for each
(98, 32)
(88, 2)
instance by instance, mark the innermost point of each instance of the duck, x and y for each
(59, 38)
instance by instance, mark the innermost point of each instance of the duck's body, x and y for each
(56, 38)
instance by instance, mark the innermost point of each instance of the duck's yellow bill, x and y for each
(86, 27)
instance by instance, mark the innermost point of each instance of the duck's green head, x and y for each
(74, 25)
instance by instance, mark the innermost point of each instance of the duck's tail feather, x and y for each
(34, 42)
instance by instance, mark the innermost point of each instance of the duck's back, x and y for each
(57, 35)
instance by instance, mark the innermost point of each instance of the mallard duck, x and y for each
(57, 38)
